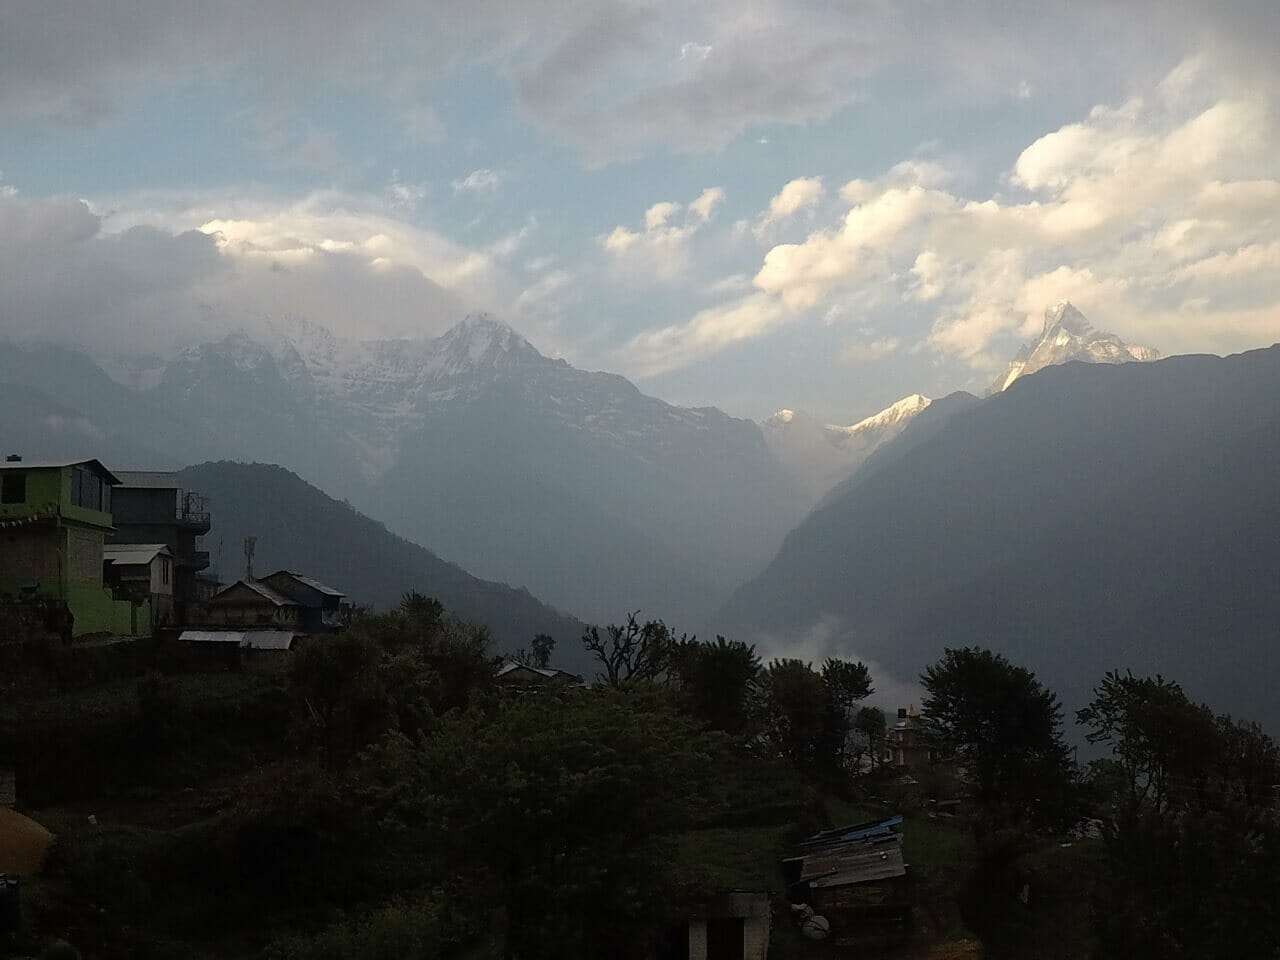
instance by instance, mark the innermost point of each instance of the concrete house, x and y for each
(143, 572)
(908, 744)
(54, 519)
(151, 507)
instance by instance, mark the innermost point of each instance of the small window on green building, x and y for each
(13, 488)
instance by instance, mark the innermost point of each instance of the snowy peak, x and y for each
(897, 413)
(1068, 335)
(818, 456)
(481, 341)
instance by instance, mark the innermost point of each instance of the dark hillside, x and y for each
(299, 527)
(1090, 517)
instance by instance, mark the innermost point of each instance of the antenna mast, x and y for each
(249, 543)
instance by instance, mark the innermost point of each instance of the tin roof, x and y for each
(248, 639)
(151, 479)
(262, 590)
(311, 582)
(58, 465)
(510, 667)
(130, 554)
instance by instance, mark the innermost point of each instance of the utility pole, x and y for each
(249, 543)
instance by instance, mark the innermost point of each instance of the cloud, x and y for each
(1160, 217)
(869, 351)
(155, 274)
(481, 182)
(601, 75)
(661, 247)
(829, 636)
(803, 193)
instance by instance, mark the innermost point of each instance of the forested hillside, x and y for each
(301, 528)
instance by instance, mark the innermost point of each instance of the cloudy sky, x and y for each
(755, 204)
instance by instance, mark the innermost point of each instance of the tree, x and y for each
(560, 804)
(539, 652)
(1156, 734)
(718, 682)
(1007, 728)
(633, 652)
(807, 715)
(870, 724)
(336, 678)
(1193, 843)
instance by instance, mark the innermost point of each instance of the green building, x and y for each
(54, 518)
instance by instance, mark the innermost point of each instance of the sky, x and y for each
(753, 204)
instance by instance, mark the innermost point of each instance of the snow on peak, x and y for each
(818, 456)
(904, 409)
(1068, 335)
(480, 340)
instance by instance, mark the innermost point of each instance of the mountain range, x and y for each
(599, 499)
(1093, 516)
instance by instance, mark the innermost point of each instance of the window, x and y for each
(164, 570)
(88, 490)
(14, 488)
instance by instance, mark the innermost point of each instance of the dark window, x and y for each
(14, 488)
(77, 478)
(164, 570)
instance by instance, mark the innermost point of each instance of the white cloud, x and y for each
(481, 181)
(694, 51)
(1160, 217)
(869, 351)
(157, 273)
(802, 193)
(660, 249)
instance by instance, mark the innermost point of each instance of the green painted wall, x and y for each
(53, 485)
(97, 612)
(43, 487)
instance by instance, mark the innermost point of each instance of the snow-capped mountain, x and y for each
(817, 456)
(516, 465)
(1067, 336)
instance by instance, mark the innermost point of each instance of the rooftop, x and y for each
(149, 479)
(311, 582)
(58, 465)
(264, 591)
(128, 554)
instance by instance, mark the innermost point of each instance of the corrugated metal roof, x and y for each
(549, 672)
(311, 582)
(262, 590)
(878, 863)
(249, 639)
(213, 636)
(58, 465)
(268, 639)
(151, 479)
(129, 554)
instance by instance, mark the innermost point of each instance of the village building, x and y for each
(143, 572)
(321, 607)
(733, 925)
(54, 519)
(908, 744)
(519, 675)
(150, 507)
(251, 603)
